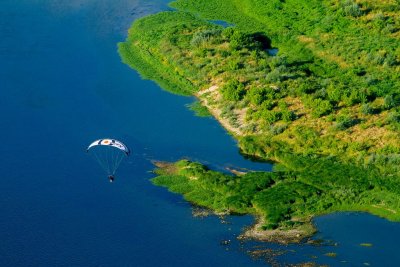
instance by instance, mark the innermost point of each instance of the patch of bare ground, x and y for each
(208, 96)
(377, 136)
(235, 171)
(369, 132)
(295, 105)
(167, 167)
(208, 90)
(200, 212)
(282, 236)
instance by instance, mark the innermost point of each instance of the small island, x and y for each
(312, 85)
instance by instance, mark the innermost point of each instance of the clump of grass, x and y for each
(198, 109)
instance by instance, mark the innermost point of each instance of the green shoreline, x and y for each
(328, 114)
(284, 201)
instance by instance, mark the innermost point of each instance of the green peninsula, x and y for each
(312, 85)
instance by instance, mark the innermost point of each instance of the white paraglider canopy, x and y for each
(109, 153)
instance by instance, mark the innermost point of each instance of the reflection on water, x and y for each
(273, 51)
(222, 23)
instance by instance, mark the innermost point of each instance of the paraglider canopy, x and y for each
(109, 153)
(110, 142)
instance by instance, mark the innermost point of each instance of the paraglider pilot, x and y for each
(109, 153)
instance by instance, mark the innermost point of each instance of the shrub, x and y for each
(393, 117)
(353, 97)
(202, 37)
(271, 116)
(276, 75)
(390, 101)
(234, 64)
(318, 106)
(288, 116)
(278, 61)
(350, 8)
(233, 90)
(267, 104)
(367, 109)
(344, 122)
(277, 129)
(379, 20)
(257, 95)
(238, 40)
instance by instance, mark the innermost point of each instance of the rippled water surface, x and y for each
(62, 85)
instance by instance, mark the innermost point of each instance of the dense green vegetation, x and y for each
(298, 188)
(337, 72)
(326, 106)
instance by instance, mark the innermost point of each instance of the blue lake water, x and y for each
(62, 85)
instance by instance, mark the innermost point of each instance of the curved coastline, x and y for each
(311, 177)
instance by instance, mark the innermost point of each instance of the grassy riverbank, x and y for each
(288, 198)
(326, 107)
